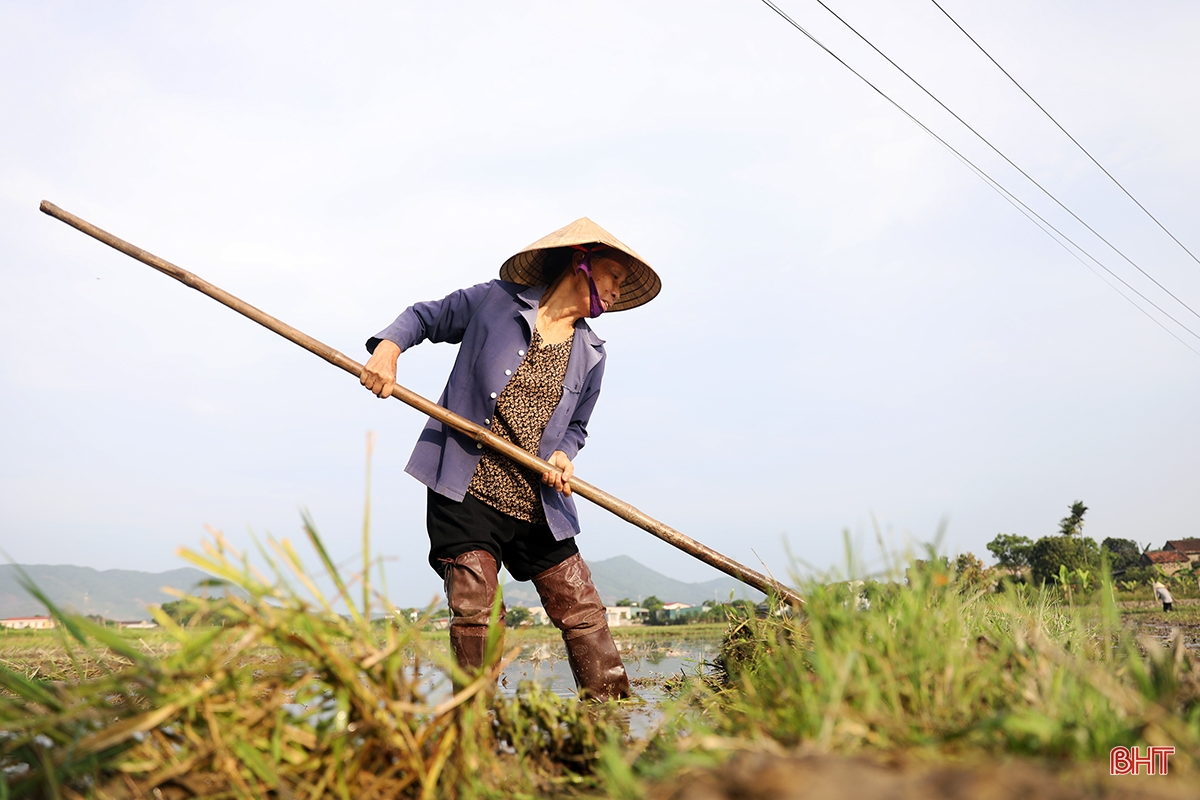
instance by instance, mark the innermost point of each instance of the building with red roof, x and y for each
(1187, 547)
(1169, 561)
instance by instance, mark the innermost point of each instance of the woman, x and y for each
(1163, 595)
(529, 367)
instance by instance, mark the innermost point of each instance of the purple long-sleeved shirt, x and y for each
(494, 322)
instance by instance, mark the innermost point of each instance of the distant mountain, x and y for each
(113, 593)
(124, 594)
(622, 577)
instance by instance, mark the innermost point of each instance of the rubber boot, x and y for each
(573, 605)
(471, 583)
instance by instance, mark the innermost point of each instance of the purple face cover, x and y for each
(585, 267)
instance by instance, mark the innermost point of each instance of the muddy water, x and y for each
(649, 664)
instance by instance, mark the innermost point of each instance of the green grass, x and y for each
(932, 667)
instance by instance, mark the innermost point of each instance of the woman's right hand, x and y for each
(379, 374)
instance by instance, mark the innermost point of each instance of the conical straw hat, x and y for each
(526, 266)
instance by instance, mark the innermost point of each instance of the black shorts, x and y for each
(524, 548)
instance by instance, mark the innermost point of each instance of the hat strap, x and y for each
(596, 308)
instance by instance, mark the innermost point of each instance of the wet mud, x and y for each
(763, 776)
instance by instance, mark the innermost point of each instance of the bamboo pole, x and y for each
(480, 434)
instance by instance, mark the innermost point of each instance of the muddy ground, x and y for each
(800, 776)
(1147, 619)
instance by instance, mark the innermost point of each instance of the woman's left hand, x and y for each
(560, 480)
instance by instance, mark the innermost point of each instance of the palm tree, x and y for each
(1072, 525)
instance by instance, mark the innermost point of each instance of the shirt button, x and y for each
(479, 446)
(487, 422)
(520, 352)
(493, 395)
(508, 372)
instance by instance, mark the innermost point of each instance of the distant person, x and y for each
(529, 367)
(1163, 595)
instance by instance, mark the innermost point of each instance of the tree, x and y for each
(516, 615)
(654, 606)
(212, 612)
(1051, 552)
(969, 571)
(625, 601)
(1122, 553)
(181, 611)
(1072, 524)
(1010, 550)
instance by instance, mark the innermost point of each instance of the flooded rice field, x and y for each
(651, 663)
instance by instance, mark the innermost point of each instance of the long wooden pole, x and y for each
(480, 434)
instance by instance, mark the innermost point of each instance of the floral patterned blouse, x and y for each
(522, 411)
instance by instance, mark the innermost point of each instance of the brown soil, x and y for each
(761, 776)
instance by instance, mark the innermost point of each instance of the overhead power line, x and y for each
(1013, 199)
(1047, 230)
(1074, 141)
(1011, 163)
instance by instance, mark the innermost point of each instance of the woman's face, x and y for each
(608, 275)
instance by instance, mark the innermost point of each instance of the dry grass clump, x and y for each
(288, 698)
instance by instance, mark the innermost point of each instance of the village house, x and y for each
(136, 624)
(1185, 547)
(678, 610)
(27, 623)
(619, 616)
(1169, 561)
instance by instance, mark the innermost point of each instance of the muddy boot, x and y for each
(471, 582)
(573, 605)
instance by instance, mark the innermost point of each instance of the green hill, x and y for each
(121, 594)
(124, 594)
(621, 577)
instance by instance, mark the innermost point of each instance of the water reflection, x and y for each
(648, 662)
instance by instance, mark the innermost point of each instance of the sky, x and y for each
(857, 339)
